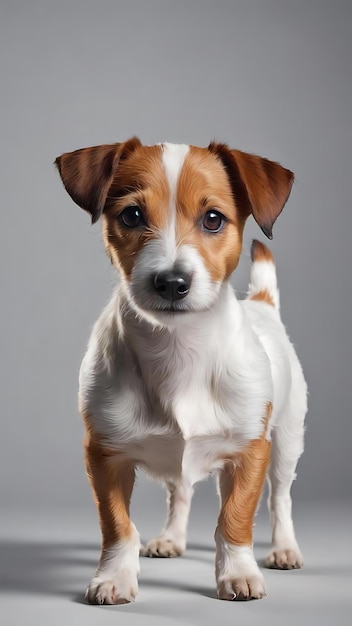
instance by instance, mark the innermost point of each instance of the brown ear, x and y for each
(87, 174)
(259, 186)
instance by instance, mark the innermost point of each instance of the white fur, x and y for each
(237, 573)
(209, 378)
(172, 539)
(263, 278)
(179, 393)
(156, 257)
(116, 579)
(173, 157)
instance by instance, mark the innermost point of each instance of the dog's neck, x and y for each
(196, 368)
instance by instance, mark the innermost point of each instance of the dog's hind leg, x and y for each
(287, 446)
(172, 539)
(112, 478)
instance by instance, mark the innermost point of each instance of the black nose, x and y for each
(172, 285)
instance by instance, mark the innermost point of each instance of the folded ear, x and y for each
(259, 186)
(87, 174)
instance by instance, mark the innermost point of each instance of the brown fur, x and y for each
(259, 186)
(259, 252)
(240, 486)
(88, 173)
(140, 180)
(203, 185)
(263, 296)
(111, 476)
(111, 177)
(105, 180)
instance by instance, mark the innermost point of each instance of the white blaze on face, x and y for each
(173, 157)
(162, 252)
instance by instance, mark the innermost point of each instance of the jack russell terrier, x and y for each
(180, 378)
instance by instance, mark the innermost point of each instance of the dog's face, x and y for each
(173, 215)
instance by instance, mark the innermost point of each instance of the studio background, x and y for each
(270, 77)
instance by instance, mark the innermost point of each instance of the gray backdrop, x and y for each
(270, 77)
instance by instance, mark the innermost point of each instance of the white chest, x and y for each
(177, 397)
(207, 387)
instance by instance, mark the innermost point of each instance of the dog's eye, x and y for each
(132, 217)
(213, 221)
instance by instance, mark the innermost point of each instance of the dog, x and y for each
(181, 378)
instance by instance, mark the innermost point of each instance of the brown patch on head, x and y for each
(203, 185)
(107, 179)
(140, 180)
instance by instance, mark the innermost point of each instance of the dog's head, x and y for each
(173, 215)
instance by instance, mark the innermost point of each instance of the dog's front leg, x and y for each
(111, 476)
(237, 573)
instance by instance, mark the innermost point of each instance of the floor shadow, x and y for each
(173, 585)
(211, 548)
(78, 598)
(63, 569)
(46, 568)
(202, 547)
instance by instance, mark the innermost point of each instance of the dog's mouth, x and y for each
(160, 308)
(172, 310)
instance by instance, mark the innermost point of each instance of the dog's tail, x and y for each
(263, 283)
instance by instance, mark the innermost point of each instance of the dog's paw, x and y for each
(251, 587)
(118, 590)
(238, 576)
(290, 558)
(163, 547)
(116, 580)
